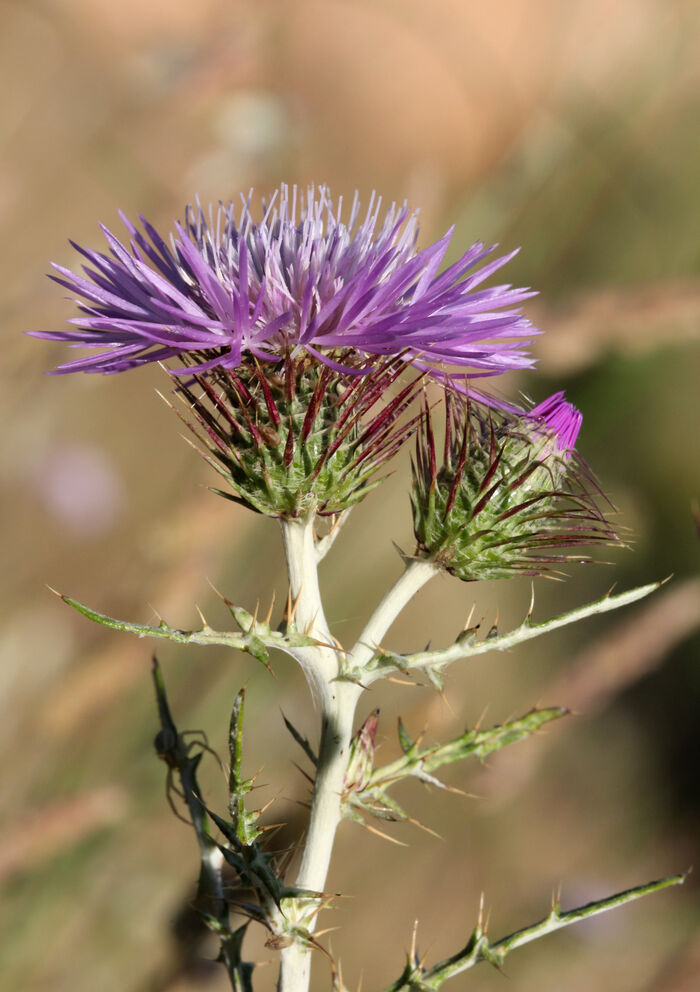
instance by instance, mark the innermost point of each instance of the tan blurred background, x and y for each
(570, 127)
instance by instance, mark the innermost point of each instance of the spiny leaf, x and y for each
(370, 795)
(243, 821)
(422, 762)
(478, 948)
(467, 645)
(255, 640)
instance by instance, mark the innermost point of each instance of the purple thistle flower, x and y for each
(301, 279)
(560, 421)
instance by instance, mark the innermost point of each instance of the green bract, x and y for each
(505, 498)
(303, 440)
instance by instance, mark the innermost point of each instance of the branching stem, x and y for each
(338, 700)
(415, 576)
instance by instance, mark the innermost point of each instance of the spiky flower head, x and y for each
(510, 494)
(226, 289)
(302, 441)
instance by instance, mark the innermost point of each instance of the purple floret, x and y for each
(560, 419)
(299, 280)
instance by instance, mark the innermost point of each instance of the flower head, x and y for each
(511, 492)
(302, 441)
(226, 289)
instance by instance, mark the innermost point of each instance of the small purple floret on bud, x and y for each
(561, 419)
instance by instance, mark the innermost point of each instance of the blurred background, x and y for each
(570, 127)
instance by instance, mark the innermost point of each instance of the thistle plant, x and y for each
(305, 354)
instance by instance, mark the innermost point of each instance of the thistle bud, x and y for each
(361, 759)
(306, 439)
(511, 491)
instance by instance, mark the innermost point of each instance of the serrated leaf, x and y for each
(243, 822)
(478, 948)
(255, 640)
(433, 662)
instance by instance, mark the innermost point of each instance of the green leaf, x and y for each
(479, 948)
(467, 646)
(243, 821)
(254, 639)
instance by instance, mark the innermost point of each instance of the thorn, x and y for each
(157, 614)
(56, 592)
(422, 826)
(310, 628)
(295, 604)
(380, 833)
(285, 861)
(264, 808)
(320, 933)
(338, 983)
(337, 646)
(493, 632)
(390, 678)
(268, 615)
(477, 725)
(480, 917)
(414, 936)
(271, 826)
(469, 618)
(305, 774)
(224, 600)
(531, 607)
(556, 899)
(324, 904)
(420, 964)
(446, 702)
(255, 615)
(201, 615)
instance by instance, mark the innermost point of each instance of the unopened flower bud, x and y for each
(510, 493)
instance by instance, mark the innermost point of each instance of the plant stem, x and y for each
(415, 576)
(320, 663)
(337, 700)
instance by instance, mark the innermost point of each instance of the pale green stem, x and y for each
(320, 663)
(415, 576)
(338, 701)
